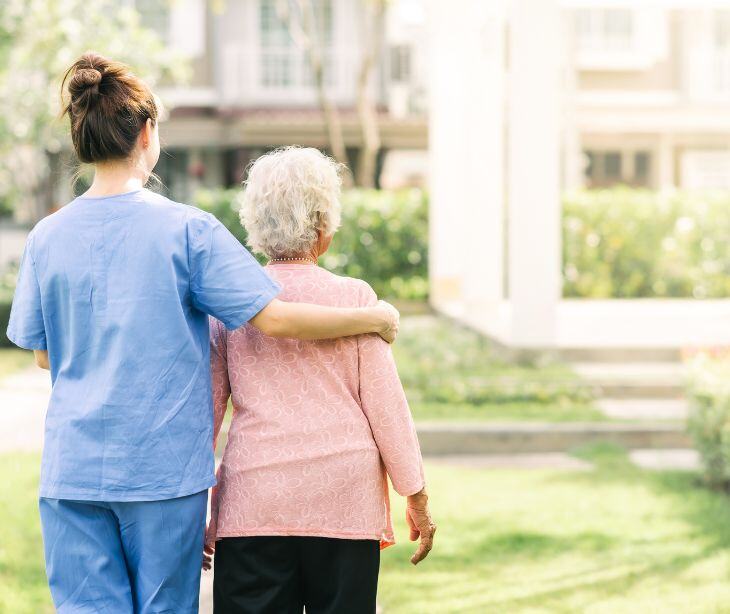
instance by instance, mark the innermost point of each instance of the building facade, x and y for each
(555, 95)
(650, 94)
(252, 87)
(645, 89)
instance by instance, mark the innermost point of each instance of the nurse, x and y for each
(113, 295)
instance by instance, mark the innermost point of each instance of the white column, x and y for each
(484, 157)
(534, 171)
(465, 149)
(573, 160)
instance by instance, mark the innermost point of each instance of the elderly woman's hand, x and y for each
(391, 320)
(421, 525)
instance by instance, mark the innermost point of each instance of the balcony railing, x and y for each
(283, 75)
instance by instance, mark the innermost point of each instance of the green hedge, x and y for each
(383, 238)
(628, 243)
(618, 243)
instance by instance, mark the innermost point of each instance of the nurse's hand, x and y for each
(391, 319)
(208, 557)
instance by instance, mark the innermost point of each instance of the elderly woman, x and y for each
(301, 509)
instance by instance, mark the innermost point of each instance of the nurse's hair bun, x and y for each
(108, 106)
(84, 81)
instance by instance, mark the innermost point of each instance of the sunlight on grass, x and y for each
(612, 540)
(22, 574)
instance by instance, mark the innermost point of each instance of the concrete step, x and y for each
(641, 380)
(621, 355)
(675, 460)
(644, 409)
(445, 438)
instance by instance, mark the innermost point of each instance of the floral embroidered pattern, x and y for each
(316, 426)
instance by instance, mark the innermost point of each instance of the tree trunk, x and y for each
(305, 35)
(366, 106)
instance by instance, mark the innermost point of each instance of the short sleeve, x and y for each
(226, 282)
(26, 328)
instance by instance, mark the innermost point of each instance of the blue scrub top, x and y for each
(118, 290)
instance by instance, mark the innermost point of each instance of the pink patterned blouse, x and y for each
(316, 425)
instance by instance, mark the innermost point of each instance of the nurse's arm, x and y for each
(41, 359)
(308, 322)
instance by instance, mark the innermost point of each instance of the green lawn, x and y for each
(451, 373)
(12, 359)
(23, 587)
(615, 540)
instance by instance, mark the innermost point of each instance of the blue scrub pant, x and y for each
(135, 557)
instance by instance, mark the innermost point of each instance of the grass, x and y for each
(615, 540)
(450, 373)
(22, 576)
(12, 360)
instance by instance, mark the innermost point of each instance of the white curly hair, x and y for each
(289, 195)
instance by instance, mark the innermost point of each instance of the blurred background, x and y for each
(542, 187)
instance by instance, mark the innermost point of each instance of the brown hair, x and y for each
(107, 106)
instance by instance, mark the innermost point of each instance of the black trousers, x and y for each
(283, 575)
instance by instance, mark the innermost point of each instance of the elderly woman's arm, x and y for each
(305, 321)
(384, 403)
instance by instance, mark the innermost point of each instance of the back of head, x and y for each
(291, 194)
(107, 106)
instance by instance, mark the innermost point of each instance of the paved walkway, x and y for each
(23, 402)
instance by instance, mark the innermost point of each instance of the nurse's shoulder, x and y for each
(179, 212)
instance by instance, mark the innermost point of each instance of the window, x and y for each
(274, 31)
(607, 168)
(612, 166)
(283, 63)
(642, 168)
(400, 63)
(604, 29)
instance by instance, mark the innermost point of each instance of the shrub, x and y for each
(383, 238)
(441, 363)
(709, 418)
(628, 243)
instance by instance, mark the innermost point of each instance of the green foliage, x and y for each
(627, 243)
(383, 238)
(709, 419)
(39, 39)
(450, 372)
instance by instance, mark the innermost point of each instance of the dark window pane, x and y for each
(642, 168)
(612, 165)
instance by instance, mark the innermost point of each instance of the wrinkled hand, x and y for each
(392, 321)
(421, 525)
(208, 557)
